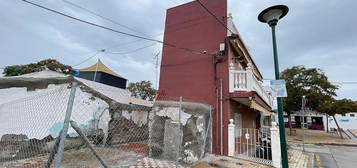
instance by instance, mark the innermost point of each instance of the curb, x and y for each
(335, 144)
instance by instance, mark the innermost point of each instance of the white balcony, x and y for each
(244, 80)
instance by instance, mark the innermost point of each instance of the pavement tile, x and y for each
(155, 163)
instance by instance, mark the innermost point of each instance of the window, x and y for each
(343, 115)
(238, 125)
(352, 115)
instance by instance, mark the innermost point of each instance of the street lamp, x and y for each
(271, 16)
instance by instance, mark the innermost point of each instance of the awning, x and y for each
(100, 67)
(256, 106)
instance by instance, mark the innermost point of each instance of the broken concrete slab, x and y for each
(193, 135)
(172, 139)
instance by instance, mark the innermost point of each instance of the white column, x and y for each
(250, 77)
(231, 138)
(231, 78)
(275, 145)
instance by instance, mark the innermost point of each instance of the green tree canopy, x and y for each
(311, 82)
(51, 64)
(341, 106)
(142, 89)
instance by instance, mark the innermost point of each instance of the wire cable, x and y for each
(119, 32)
(88, 58)
(224, 25)
(113, 21)
(132, 51)
(103, 17)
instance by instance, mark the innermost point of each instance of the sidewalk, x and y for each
(216, 161)
(299, 159)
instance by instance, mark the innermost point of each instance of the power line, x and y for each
(103, 17)
(120, 53)
(132, 51)
(89, 58)
(224, 25)
(120, 32)
(113, 21)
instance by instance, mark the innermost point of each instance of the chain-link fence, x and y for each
(93, 125)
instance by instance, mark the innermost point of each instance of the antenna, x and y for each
(156, 58)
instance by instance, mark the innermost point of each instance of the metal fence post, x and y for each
(180, 132)
(63, 134)
(86, 141)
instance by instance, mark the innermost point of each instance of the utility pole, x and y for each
(156, 58)
(303, 121)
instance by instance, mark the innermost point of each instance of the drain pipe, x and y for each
(217, 123)
(221, 109)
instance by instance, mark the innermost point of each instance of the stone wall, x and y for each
(176, 133)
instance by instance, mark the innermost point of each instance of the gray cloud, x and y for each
(315, 34)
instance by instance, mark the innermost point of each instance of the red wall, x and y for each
(191, 75)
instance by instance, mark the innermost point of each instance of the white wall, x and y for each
(345, 122)
(40, 113)
(117, 94)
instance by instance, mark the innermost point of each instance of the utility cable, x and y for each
(224, 25)
(132, 51)
(89, 58)
(115, 22)
(101, 16)
(120, 53)
(119, 32)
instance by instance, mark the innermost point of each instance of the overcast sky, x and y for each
(315, 33)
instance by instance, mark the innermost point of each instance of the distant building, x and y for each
(102, 74)
(312, 120)
(345, 121)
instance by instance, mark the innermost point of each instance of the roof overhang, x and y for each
(257, 106)
(242, 53)
(253, 104)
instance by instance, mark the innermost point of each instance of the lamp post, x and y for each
(303, 122)
(271, 16)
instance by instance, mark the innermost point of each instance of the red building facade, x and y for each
(215, 78)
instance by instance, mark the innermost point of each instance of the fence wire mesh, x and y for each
(29, 126)
(107, 129)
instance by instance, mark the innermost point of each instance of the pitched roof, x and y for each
(100, 67)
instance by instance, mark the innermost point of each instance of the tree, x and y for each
(309, 82)
(51, 64)
(142, 89)
(334, 107)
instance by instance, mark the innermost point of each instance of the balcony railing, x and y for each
(244, 80)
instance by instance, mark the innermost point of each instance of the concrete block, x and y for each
(172, 139)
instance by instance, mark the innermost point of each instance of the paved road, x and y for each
(331, 156)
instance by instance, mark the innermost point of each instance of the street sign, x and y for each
(278, 88)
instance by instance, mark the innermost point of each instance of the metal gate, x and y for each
(253, 144)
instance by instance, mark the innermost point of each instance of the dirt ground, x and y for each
(316, 137)
(354, 131)
(83, 158)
